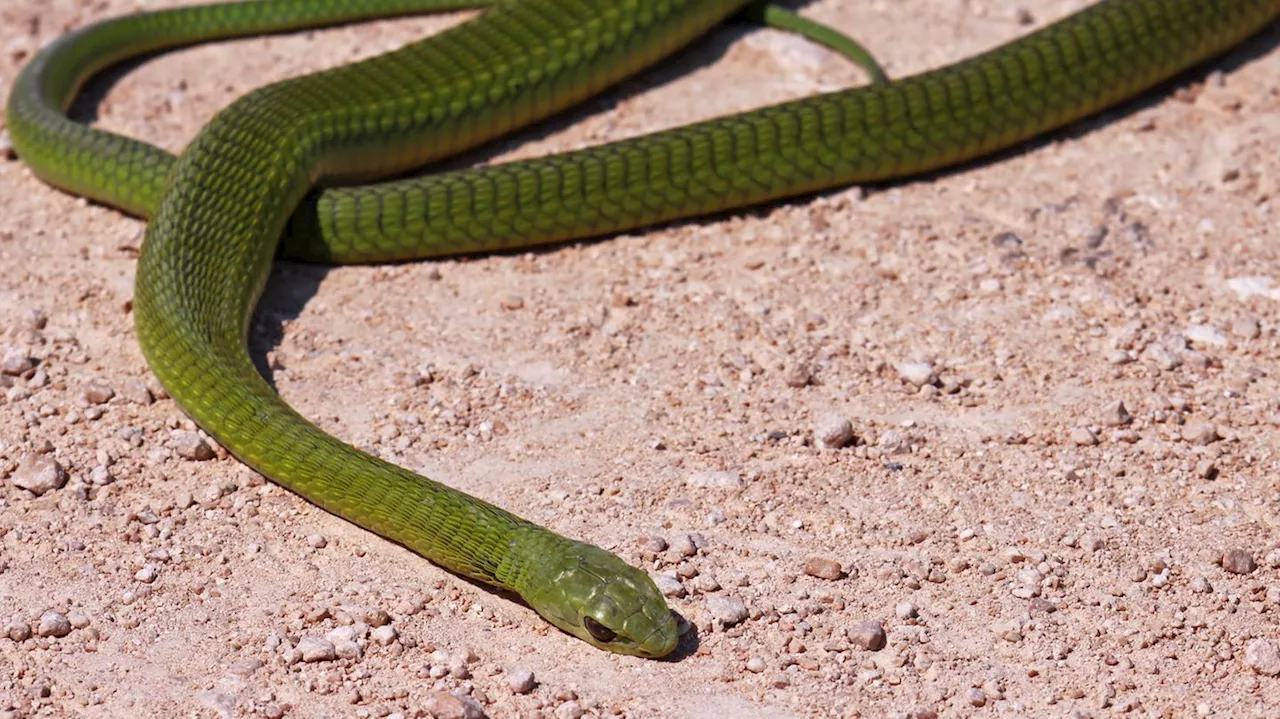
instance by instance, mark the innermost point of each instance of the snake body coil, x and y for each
(218, 213)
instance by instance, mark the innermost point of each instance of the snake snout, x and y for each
(606, 602)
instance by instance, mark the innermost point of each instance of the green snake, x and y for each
(218, 212)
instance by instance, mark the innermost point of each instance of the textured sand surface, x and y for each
(1062, 496)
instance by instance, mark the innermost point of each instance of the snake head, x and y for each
(595, 596)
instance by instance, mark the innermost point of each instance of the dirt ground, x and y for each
(1059, 369)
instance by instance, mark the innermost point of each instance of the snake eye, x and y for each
(601, 633)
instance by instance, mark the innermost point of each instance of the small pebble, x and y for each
(53, 624)
(521, 681)
(823, 568)
(1200, 433)
(798, 375)
(192, 446)
(916, 373)
(1238, 561)
(1246, 328)
(833, 431)
(347, 649)
(728, 610)
(1206, 336)
(756, 665)
(1206, 469)
(245, 668)
(906, 610)
(682, 545)
(384, 635)
(316, 649)
(95, 393)
(100, 476)
(442, 705)
(135, 390)
(704, 583)
(146, 575)
(976, 697)
(569, 710)
(16, 364)
(39, 473)
(868, 635)
(653, 544)
(18, 631)
(1116, 414)
(1009, 630)
(669, 585)
(1263, 656)
(1083, 437)
(714, 480)
(317, 541)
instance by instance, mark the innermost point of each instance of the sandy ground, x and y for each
(1026, 546)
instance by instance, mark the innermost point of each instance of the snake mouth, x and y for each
(667, 632)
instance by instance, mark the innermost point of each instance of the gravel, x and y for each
(16, 364)
(316, 649)
(1116, 414)
(1083, 437)
(53, 624)
(1263, 656)
(570, 710)
(1200, 433)
(832, 431)
(135, 390)
(975, 697)
(916, 373)
(823, 568)
(191, 446)
(1238, 561)
(384, 635)
(669, 585)
(39, 473)
(682, 545)
(727, 610)
(18, 631)
(867, 635)
(521, 681)
(442, 705)
(95, 393)
(714, 480)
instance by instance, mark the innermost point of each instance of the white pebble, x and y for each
(385, 634)
(1206, 336)
(1263, 656)
(916, 373)
(569, 710)
(316, 649)
(53, 624)
(727, 611)
(714, 480)
(833, 431)
(521, 681)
